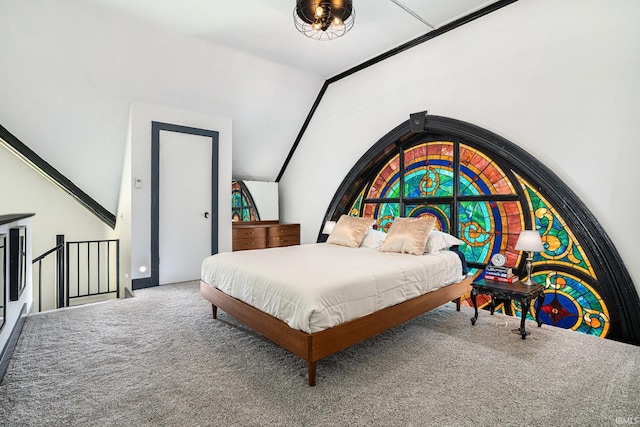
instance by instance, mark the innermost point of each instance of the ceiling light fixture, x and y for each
(324, 19)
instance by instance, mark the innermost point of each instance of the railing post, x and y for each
(60, 269)
(118, 268)
(39, 286)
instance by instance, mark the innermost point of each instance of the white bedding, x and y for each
(317, 286)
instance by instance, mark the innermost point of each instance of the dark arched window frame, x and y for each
(614, 282)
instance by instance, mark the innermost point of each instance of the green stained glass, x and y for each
(425, 181)
(429, 170)
(392, 191)
(476, 229)
(355, 208)
(236, 200)
(490, 227)
(384, 213)
(561, 246)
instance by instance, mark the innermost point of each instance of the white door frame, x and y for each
(156, 127)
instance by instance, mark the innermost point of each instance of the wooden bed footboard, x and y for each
(313, 347)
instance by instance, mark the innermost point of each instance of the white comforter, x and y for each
(317, 286)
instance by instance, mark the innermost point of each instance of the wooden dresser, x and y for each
(264, 234)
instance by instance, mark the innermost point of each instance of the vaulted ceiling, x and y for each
(77, 66)
(265, 27)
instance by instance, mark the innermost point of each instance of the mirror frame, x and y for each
(3, 280)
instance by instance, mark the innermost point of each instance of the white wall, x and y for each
(26, 191)
(122, 230)
(75, 69)
(71, 68)
(558, 78)
(140, 203)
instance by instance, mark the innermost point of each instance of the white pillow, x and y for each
(439, 240)
(373, 239)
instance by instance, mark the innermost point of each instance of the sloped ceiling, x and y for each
(266, 29)
(76, 66)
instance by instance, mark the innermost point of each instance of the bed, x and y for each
(317, 299)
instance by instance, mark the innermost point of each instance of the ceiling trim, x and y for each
(424, 38)
(303, 129)
(386, 55)
(13, 144)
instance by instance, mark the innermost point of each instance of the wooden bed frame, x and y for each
(315, 346)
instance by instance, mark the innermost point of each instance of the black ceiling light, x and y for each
(323, 19)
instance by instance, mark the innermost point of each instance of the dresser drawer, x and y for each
(250, 243)
(264, 235)
(284, 230)
(249, 232)
(279, 241)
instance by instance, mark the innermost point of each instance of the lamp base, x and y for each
(529, 282)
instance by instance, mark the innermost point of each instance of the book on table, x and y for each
(498, 271)
(510, 279)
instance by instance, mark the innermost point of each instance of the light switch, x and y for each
(137, 183)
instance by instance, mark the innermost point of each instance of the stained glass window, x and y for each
(242, 205)
(483, 202)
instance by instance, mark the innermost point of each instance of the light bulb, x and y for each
(319, 11)
(337, 21)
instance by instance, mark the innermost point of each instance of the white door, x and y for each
(184, 223)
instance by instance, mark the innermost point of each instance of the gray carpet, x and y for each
(160, 360)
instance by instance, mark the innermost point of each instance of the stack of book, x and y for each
(500, 274)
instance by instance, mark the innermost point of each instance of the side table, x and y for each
(511, 291)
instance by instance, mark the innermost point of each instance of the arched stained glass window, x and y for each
(472, 192)
(242, 206)
(485, 190)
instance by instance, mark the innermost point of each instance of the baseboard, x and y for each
(7, 351)
(142, 283)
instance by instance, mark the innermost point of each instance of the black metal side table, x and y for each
(511, 291)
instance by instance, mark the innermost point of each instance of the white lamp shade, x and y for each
(328, 227)
(530, 241)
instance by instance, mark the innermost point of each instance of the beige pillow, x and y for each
(408, 235)
(349, 231)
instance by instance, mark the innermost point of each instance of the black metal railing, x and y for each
(84, 281)
(84, 270)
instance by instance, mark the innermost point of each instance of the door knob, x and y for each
(206, 214)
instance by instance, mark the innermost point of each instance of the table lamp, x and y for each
(529, 241)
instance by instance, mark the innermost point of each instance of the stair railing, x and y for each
(58, 249)
(84, 270)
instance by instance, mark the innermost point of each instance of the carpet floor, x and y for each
(159, 359)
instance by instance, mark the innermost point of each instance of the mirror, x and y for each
(254, 201)
(17, 262)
